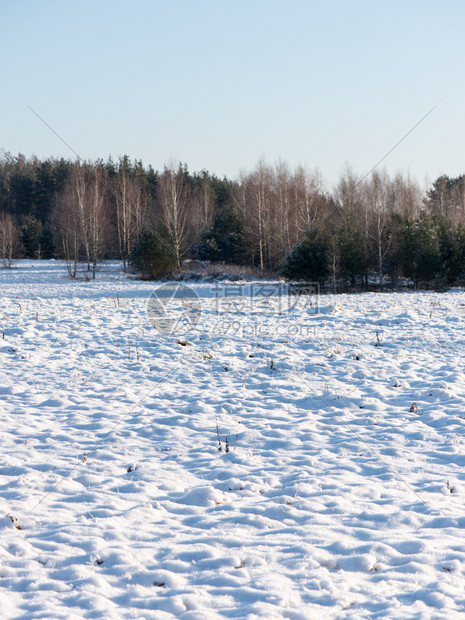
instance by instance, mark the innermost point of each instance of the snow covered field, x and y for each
(342, 495)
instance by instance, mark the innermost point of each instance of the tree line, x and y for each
(378, 229)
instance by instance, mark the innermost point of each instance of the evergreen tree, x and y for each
(352, 251)
(31, 231)
(309, 260)
(224, 242)
(154, 254)
(452, 249)
(46, 243)
(421, 252)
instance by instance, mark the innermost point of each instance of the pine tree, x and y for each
(224, 241)
(154, 253)
(421, 252)
(309, 261)
(352, 251)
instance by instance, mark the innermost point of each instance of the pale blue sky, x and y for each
(220, 84)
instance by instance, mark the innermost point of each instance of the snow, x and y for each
(338, 497)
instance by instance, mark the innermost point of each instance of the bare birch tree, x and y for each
(256, 206)
(173, 194)
(307, 194)
(67, 219)
(8, 238)
(407, 196)
(96, 216)
(130, 211)
(78, 202)
(379, 207)
(203, 203)
(82, 217)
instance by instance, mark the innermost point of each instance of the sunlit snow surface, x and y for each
(339, 498)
